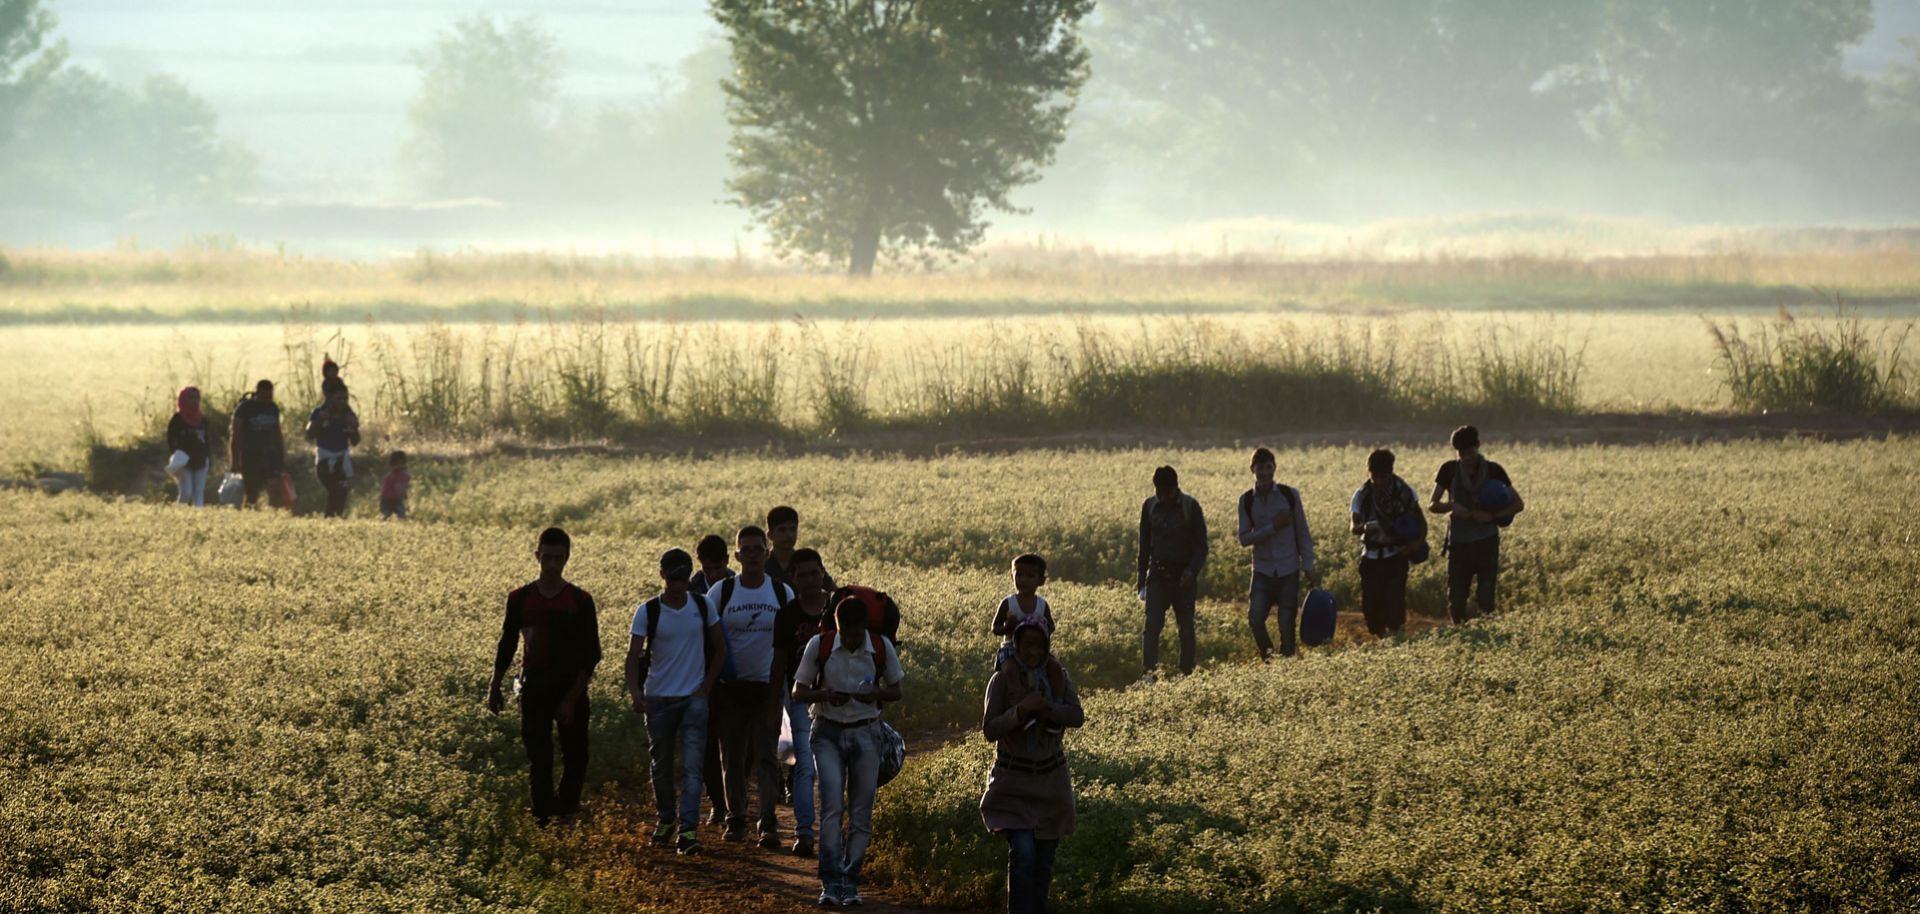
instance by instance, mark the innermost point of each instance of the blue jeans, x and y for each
(678, 722)
(801, 722)
(1267, 593)
(848, 761)
(1029, 871)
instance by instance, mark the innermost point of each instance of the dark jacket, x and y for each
(189, 438)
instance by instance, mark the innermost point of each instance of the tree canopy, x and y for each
(484, 119)
(863, 125)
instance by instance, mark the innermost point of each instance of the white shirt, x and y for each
(747, 621)
(1015, 615)
(850, 668)
(678, 653)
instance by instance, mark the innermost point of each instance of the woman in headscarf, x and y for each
(1029, 798)
(187, 431)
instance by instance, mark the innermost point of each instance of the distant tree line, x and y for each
(857, 131)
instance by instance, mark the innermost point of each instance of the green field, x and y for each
(1702, 697)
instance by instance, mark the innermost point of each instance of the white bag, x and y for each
(177, 464)
(233, 490)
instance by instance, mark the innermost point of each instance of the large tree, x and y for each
(26, 62)
(862, 125)
(484, 120)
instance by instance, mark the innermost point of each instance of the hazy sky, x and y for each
(319, 91)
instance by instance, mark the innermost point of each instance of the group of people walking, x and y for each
(718, 656)
(257, 449)
(1474, 493)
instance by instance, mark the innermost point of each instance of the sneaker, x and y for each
(689, 844)
(803, 847)
(828, 898)
(663, 835)
(850, 897)
(735, 833)
(770, 842)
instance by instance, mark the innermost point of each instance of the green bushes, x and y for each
(1835, 365)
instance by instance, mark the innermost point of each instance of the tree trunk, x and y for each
(866, 245)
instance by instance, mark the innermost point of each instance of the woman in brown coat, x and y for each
(1029, 798)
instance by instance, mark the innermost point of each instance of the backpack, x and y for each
(1403, 526)
(1317, 618)
(883, 615)
(893, 748)
(781, 594)
(652, 608)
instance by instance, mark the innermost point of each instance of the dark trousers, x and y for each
(258, 478)
(1465, 562)
(745, 717)
(1029, 871)
(1164, 591)
(334, 479)
(716, 788)
(539, 704)
(1266, 594)
(1383, 594)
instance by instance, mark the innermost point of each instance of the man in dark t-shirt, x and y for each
(257, 446)
(561, 631)
(1461, 491)
(798, 621)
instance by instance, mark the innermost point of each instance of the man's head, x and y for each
(1380, 466)
(1262, 465)
(712, 552)
(676, 567)
(850, 617)
(783, 527)
(1032, 643)
(750, 549)
(1466, 440)
(1029, 572)
(1166, 483)
(553, 551)
(809, 572)
(263, 390)
(397, 460)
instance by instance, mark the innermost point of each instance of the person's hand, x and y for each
(1312, 577)
(639, 703)
(496, 702)
(703, 691)
(1034, 703)
(1187, 579)
(564, 713)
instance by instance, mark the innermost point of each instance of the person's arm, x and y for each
(890, 673)
(503, 655)
(175, 427)
(590, 658)
(353, 428)
(808, 673)
(1199, 533)
(1303, 540)
(1065, 710)
(1439, 504)
(1000, 618)
(1249, 534)
(716, 657)
(637, 647)
(313, 424)
(1146, 544)
(1001, 718)
(233, 441)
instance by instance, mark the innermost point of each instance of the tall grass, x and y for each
(1828, 365)
(591, 378)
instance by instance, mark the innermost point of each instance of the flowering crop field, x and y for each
(1702, 696)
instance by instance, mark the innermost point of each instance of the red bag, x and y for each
(883, 615)
(282, 495)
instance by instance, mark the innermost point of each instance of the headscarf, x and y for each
(189, 414)
(1035, 676)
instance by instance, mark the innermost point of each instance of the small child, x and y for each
(393, 488)
(1029, 572)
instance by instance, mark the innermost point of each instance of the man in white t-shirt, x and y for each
(847, 682)
(673, 661)
(745, 705)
